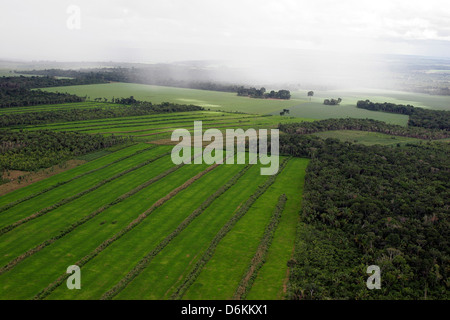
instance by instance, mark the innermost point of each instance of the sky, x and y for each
(242, 30)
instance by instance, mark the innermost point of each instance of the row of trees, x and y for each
(418, 117)
(371, 205)
(262, 94)
(23, 97)
(16, 91)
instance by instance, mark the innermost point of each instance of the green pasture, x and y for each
(367, 138)
(214, 100)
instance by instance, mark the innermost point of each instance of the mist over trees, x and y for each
(262, 94)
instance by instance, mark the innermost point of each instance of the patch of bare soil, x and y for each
(19, 179)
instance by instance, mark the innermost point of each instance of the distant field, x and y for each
(350, 97)
(225, 101)
(299, 105)
(317, 110)
(367, 138)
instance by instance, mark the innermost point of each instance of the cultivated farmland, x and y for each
(138, 225)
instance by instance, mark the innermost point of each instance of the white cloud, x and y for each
(198, 29)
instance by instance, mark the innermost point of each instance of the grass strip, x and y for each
(14, 203)
(259, 258)
(50, 288)
(76, 196)
(181, 290)
(143, 263)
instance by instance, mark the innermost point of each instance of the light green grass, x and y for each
(48, 264)
(269, 284)
(317, 110)
(66, 175)
(32, 206)
(157, 281)
(350, 97)
(220, 277)
(36, 231)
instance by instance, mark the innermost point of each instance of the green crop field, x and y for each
(225, 101)
(83, 216)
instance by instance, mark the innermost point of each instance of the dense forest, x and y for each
(16, 91)
(385, 206)
(363, 125)
(262, 94)
(418, 117)
(153, 75)
(33, 150)
(138, 108)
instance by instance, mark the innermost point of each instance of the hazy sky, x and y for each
(163, 31)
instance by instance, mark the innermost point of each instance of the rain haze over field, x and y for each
(321, 42)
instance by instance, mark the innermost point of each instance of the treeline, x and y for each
(139, 108)
(33, 150)
(262, 94)
(143, 263)
(46, 81)
(16, 91)
(23, 97)
(363, 125)
(161, 75)
(208, 254)
(418, 117)
(372, 205)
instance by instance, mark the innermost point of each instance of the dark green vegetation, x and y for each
(363, 125)
(262, 94)
(372, 205)
(366, 137)
(33, 150)
(418, 117)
